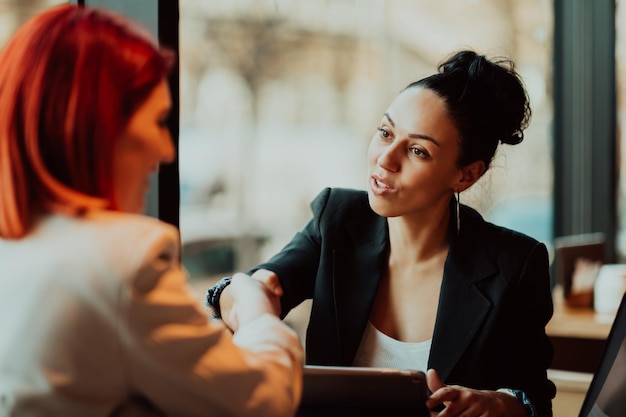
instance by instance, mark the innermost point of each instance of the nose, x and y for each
(390, 157)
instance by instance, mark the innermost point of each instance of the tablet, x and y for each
(379, 391)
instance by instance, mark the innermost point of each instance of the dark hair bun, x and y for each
(486, 99)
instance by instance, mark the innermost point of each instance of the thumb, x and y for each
(433, 380)
(434, 383)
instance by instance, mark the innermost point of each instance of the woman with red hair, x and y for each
(96, 316)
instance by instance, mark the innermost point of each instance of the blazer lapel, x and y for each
(356, 274)
(462, 305)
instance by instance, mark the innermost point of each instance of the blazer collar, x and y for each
(462, 305)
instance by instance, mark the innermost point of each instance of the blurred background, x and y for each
(279, 99)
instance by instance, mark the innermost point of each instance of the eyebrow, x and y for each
(413, 135)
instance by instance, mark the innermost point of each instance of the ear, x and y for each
(470, 174)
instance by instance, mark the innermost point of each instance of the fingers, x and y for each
(270, 280)
(462, 401)
(443, 395)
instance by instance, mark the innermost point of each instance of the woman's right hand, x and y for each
(461, 401)
(247, 297)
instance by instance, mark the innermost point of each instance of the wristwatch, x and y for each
(213, 296)
(522, 398)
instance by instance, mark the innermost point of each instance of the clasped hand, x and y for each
(245, 299)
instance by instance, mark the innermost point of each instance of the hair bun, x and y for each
(514, 139)
(466, 62)
(477, 67)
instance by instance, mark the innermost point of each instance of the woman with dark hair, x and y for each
(97, 319)
(405, 276)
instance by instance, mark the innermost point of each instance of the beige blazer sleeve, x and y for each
(180, 360)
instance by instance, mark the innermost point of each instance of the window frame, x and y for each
(585, 117)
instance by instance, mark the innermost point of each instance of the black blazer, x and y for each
(494, 304)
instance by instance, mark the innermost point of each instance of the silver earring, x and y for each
(458, 212)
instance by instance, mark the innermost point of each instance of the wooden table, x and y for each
(578, 336)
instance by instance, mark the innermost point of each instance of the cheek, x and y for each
(131, 169)
(372, 154)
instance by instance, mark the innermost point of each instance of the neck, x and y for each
(420, 236)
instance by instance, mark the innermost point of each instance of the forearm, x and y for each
(186, 365)
(281, 360)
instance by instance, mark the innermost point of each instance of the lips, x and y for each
(381, 187)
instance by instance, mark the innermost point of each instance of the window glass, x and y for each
(279, 99)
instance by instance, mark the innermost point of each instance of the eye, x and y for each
(163, 119)
(384, 133)
(419, 152)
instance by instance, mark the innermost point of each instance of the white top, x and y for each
(95, 313)
(381, 351)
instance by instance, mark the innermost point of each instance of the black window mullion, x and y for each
(169, 179)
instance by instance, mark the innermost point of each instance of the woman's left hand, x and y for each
(467, 402)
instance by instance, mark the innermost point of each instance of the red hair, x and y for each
(70, 79)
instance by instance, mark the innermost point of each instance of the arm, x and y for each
(531, 346)
(186, 365)
(289, 276)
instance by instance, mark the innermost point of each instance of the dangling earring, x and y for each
(458, 212)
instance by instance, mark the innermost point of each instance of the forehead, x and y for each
(422, 111)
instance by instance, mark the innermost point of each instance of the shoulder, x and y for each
(497, 241)
(343, 213)
(340, 201)
(137, 223)
(475, 224)
(132, 252)
(135, 240)
(119, 243)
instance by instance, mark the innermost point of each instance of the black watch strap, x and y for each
(213, 296)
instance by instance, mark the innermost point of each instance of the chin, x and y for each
(379, 207)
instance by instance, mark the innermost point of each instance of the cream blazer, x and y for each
(96, 320)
